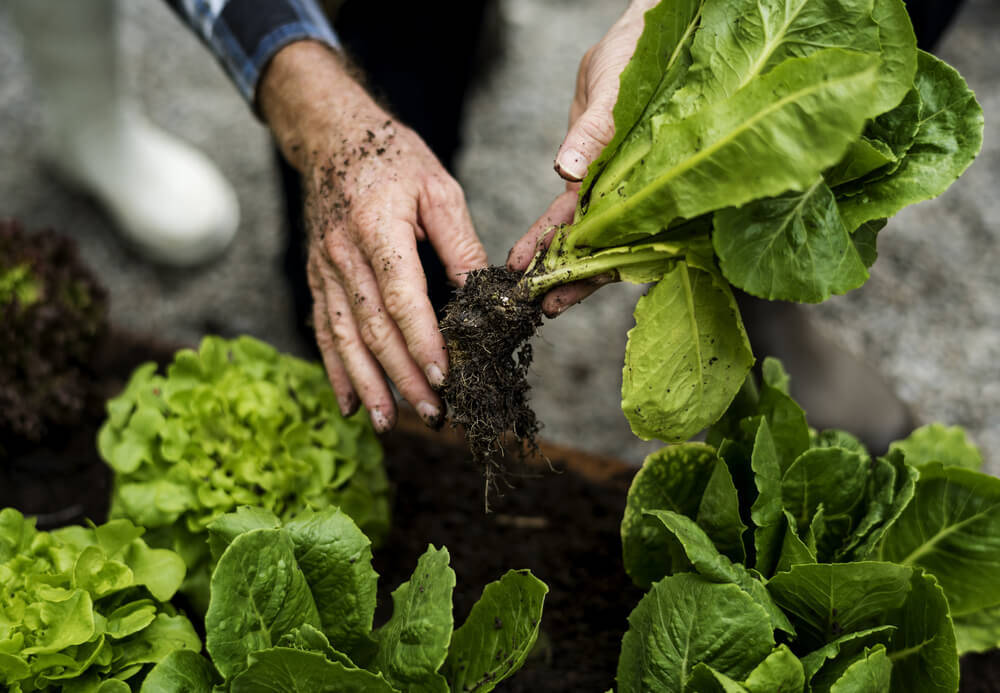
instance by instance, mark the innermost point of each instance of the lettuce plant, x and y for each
(52, 315)
(236, 423)
(782, 558)
(292, 606)
(759, 144)
(85, 609)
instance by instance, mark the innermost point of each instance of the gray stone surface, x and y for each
(929, 318)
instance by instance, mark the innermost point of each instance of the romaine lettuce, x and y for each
(874, 573)
(292, 606)
(758, 144)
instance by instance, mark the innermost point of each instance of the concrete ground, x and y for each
(929, 319)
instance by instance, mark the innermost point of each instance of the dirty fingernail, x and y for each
(430, 414)
(348, 404)
(434, 376)
(571, 164)
(379, 421)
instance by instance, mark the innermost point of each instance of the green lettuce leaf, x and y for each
(685, 620)
(712, 565)
(794, 247)
(335, 558)
(832, 477)
(766, 511)
(182, 671)
(979, 631)
(844, 648)
(236, 423)
(952, 530)
(792, 123)
(869, 672)
(824, 601)
(922, 649)
(939, 443)
(413, 644)
(296, 671)
(673, 478)
(780, 671)
(655, 71)
(498, 634)
(686, 358)
(948, 137)
(258, 595)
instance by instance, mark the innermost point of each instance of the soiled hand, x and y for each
(373, 189)
(591, 127)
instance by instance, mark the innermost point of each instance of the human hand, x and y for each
(591, 127)
(373, 189)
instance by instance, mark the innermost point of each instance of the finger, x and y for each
(380, 337)
(347, 398)
(403, 289)
(587, 137)
(444, 215)
(559, 299)
(363, 370)
(524, 250)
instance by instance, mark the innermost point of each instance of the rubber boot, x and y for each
(166, 197)
(835, 388)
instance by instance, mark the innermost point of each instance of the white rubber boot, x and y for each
(166, 197)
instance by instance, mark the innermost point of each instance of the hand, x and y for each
(591, 127)
(373, 189)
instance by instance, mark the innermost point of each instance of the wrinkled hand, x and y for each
(373, 189)
(591, 127)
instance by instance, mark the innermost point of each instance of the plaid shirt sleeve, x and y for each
(245, 34)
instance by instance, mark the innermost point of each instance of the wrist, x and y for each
(307, 96)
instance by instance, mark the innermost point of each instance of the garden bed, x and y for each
(562, 523)
(64, 480)
(563, 526)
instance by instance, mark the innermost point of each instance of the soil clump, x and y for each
(487, 328)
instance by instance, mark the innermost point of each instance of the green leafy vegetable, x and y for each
(292, 607)
(711, 623)
(236, 423)
(872, 573)
(762, 144)
(85, 606)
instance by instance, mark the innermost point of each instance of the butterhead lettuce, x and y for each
(85, 607)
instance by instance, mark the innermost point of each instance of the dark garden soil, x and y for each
(563, 525)
(64, 481)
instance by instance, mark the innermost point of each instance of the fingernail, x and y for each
(434, 376)
(430, 414)
(348, 405)
(571, 164)
(379, 421)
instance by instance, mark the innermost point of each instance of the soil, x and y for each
(487, 329)
(64, 481)
(561, 524)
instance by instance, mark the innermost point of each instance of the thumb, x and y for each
(587, 137)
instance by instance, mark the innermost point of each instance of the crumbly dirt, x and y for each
(487, 329)
(562, 526)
